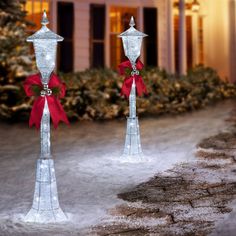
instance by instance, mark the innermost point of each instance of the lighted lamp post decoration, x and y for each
(47, 89)
(132, 41)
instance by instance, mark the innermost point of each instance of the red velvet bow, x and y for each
(127, 85)
(57, 112)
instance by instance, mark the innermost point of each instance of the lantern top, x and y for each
(132, 31)
(44, 32)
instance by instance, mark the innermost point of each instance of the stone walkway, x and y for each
(190, 200)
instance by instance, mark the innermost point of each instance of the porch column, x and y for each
(182, 39)
(170, 32)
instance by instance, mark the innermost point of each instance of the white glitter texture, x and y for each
(45, 207)
(132, 41)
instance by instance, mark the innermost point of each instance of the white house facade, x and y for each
(181, 34)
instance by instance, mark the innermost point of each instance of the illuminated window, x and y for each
(201, 41)
(34, 9)
(189, 42)
(119, 22)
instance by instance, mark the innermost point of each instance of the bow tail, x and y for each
(125, 90)
(140, 86)
(37, 112)
(126, 87)
(56, 111)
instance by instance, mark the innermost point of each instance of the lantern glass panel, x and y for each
(132, 47)
(45, 51)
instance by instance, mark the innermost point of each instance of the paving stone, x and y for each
(219, 141)
(199, 214)
(130, 211)
(227, 188)
(214, 156)
(122, 230)
(213, 201)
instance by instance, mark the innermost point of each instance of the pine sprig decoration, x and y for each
(37, 90)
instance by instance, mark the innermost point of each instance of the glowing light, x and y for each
(48, 57)
(195, 6)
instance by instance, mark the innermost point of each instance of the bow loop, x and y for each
(55, 83)
(32, 82)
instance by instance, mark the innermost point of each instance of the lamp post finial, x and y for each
(44, 20)
(132, 23)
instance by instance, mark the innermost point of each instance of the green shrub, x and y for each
(95, 94)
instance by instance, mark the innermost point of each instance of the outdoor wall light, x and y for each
(195, 6)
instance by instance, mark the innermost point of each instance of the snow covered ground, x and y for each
(89, 170)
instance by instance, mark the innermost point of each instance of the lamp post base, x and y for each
(132, 147)
(45, 208)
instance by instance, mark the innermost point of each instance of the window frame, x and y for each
(92, 40)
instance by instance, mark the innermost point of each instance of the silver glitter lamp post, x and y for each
(45, 206)
(132, 41)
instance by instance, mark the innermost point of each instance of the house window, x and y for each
(65, 28)
(189, 42)
(150, 28)
(200, 40)
(119, 22)
(97, 35)
(190, 28)
(34, 9)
